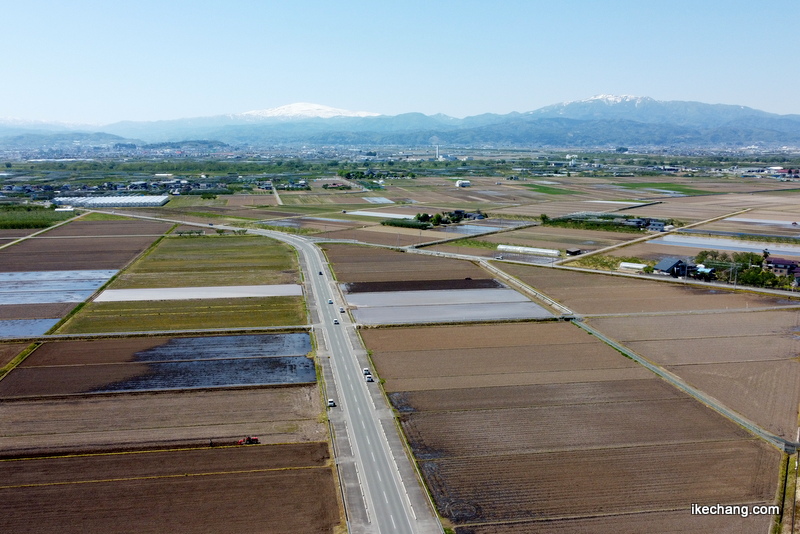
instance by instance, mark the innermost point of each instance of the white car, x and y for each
(336, 321)
(369, 378)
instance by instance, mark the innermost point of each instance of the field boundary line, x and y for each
(648, 237)
(157, 477)
(709, 401)
(43, 230)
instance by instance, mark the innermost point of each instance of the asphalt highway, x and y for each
(388, 505)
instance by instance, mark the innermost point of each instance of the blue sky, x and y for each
(101, 61)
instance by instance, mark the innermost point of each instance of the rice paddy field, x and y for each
(527, 427)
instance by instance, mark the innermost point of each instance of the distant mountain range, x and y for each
(599, 122)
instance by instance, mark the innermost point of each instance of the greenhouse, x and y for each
(113, 202)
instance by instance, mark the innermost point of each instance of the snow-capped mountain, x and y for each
(599, 121)
(304, 110)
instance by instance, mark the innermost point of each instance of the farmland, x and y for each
(748, 360)
(282, 488)
(503, 420)
(594, 293)
(525, 426)
(186, 315)
(101, 428)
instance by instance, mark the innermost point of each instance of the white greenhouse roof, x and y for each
(113, 202)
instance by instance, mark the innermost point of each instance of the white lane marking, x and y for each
(385, 498)
(394, 525)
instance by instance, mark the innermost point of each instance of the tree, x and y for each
(545, 219)
(436, 219)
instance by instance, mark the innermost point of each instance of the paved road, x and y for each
(390, 490)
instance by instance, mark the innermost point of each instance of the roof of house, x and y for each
(667, 264)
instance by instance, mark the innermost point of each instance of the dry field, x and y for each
(673, 521)
(652, 251)
(520, 426)
(767, 222)
(35, 311)
(116, 228)
(495, 398)
(560, 238)
(568, 484)
(395, 237)
(72, 253)
(599, 425)
(590, 293)
(250, 200)
(748, 360)
(9, 351)
(270, 489)
(165, 419)
(354, 263)
(10, 234)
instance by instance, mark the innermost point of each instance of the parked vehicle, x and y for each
(249, 440)
(365, 370)
(331, 403)
(369, 378)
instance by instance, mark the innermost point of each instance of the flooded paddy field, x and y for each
(76, 367)
(14, 328)
(408, 307)
(44, 287)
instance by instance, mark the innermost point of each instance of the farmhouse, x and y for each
(671, 266)
(781, 266)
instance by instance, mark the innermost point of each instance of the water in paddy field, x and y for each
(26, 327)
(213, 347)
(775, 249)
(470, 229)
(218, 373)
(222, 361)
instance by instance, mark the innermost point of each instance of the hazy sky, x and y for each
(101, 61)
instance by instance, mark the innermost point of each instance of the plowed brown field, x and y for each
(72, 253)
(585, 426)
(129, 421)
(270, 489)
(9, 351)
(353, 263)
(675, 521)
(118, 228)
(746, 360)
(589, 293)
(606, 481)
(531, 395)
(579, 436)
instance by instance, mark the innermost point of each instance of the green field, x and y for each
(677, 188)
(214, 260)
(547, 190)
(99, 317)
(23, 216)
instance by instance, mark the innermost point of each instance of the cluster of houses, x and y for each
(676, 267)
